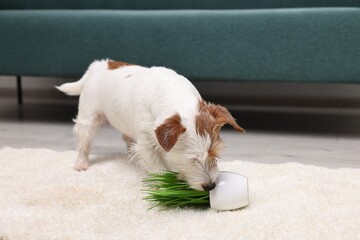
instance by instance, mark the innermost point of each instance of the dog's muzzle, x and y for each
(209, 186)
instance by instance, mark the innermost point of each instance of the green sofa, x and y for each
(212, 40)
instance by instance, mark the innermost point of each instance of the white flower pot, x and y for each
(231, 192)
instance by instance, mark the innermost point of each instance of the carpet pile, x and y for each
(42, 197)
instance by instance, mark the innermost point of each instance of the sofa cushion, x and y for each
(314, 45)
(172, 4)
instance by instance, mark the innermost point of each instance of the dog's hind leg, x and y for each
(84, 130)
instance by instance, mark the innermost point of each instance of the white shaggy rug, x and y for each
(42, 197)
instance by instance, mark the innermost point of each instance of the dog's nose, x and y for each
(209, 186)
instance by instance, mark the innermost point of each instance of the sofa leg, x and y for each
(19, 90)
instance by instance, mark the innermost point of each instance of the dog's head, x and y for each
(192, 146)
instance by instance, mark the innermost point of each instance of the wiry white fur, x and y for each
(136, 100)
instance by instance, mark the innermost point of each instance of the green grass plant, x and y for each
(166, 191)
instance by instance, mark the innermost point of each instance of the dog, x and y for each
(163, 119)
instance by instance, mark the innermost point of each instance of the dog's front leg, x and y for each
(146, 155)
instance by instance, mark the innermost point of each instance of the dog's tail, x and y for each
(75, 88)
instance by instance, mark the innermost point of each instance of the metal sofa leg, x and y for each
(19, 90)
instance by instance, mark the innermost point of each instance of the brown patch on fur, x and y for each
(168, 133)
(223, 116)
(210, 120)
(213, 156)
(115, 64)
(206, 124)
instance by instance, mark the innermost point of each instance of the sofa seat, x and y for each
(289, 44)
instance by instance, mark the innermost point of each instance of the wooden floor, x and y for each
(322, 137)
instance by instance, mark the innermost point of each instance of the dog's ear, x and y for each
(168, 133)
(223, 116)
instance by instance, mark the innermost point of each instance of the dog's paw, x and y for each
(82, 166)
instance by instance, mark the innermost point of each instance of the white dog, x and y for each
(161, 114)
